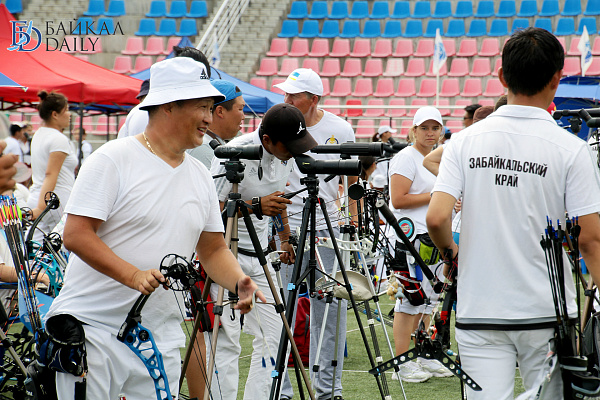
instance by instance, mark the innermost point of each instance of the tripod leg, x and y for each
(337, 344)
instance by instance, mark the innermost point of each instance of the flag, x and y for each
(216, 55)
(439, 53)
(586, 51)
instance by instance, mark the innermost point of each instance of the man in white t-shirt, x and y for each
(514, 169)
(303, 89)
(12, 142)
(282, 134)
(132, 205)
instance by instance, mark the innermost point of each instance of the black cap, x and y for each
(284, 122)
(144, 89)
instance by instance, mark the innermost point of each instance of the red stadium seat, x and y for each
(354, 112)
(594, 69)
(405, 128)
(497, 65)
(472, 88)
(573, 50)
(493, 88)
(415, 67)
(467, 48)
(487, 102)
(490, 47)
(427, 88)
(365, 129)
(460, 112)
(443, 70)
(396, 112)
(418, 103)
(362, 48)
(154, 46)
(440, 106)
(320, 48)
(481, 67)
(173, 41)
(312, 63)
(394, 67)
(385, 88)
(122, 64)
(288, 65)
(299, 48)
(326, 90)
(142, 63)
(373, 68)
(454, 125)
(331, 67)
(375, 112)
(404, 48)
(279, 47)
(88, 48)
(133, 46)
(268, 67)
(277, 81)
(333, 106)
(383, 48)
(572, 66)
(352, 68)
(342, 87)
(596, 46)
(450, 88)
(424, 48)
(340, 48)
(363, 88)
(259, 82)
(459, 67)
(450, 47)
(406, 88)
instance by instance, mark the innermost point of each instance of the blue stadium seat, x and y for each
(331, 29)
(167, 27)
(372, 29)
(422, 10)
(432, 26)
(105, 26)
(549, 8)
(360, 9)
(318, 10)
(477, 28)
(414, 28)
(299, 10)
(381, 9)
(507, 9)
(590, 23)
(528, 9)
(499, 28)
(443, 9)
(592, 8)
(14, 6)
(565, 26)
(95, 8)
(456, 28)
(187, 27)
(178, 9)
(339, 10)
(147, 27)
(310, 29)
(158, 9)
(571, 8)
(544, 23)
(485, 9)
(351, 29)
(198, 9)
(392, 29)
(82, 25)
(464, 9)
(519, 23)
(116, 8)
(401, 10)
(289, 28)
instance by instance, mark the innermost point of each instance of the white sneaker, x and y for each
(411, 372)
(435, 368)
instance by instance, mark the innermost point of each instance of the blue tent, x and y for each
(257, 100)
(576, 92)
(5, 81)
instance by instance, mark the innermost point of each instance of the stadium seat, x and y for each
(499, 27)
(490, 47)
(406, 88)
(571, 8)
(71, 49)
(372, 29)
(379, 111)
(310, 29)
(432, 26)
(178, 9)
(383, 48)
(544, 23)
(467, 48)
(83, 26)
(142, 63)
(365, 129)
(171, 42)
(481, 67)
(360, 9)
(572, 66)
(493, 88)
(288, 65)
(440, 106)
(519, 24)
(341, 48)
(459, 67)
(589, 23)
(477, 28)
(405, 127)
(427, 88)
(363, 88)
(528, 9)
(596, 46)
(594, 68)
(105, 26)
(573, 50)
(507, 9)
(318, 10)
(187, 27)
(497, 65)
(351, 29)
(472, 88)
(299, 10)
(122, 65)
(592, 8)
(158, 9)
(460, 112)
(326, 90)
(299, 48)
(401, 10)
(416, 103)
(331, 67)
(487, 102)
(332, 105)
(394, 67)
(485, 9)
(415, 67)
(443, 9)
(268, 67)
(95, 8)
(456, 28)
(424, 48)
(381, 10)
(443, 70)
(14, 6)
(563, 42)
(96, 48)
(373, 68)
(464, 9)
(404, 48)
(167, 27)
(331, 29)
(133, 46)
(198, 9)
(392, 29)
(549, 8)
(116, 8)
(422, 10)
(565, 27)
(279, 47)
(396, 112)
(362, 48)
(342, 87)
(454, 125)
(450, 88)
(339, 10)
(276, 81)
(450, 46)
(414, 28)
(312, 63)
(320, 48)
(289, 29)
(259, 82)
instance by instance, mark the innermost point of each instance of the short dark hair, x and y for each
(471, 108)
(530, 58)
(194, 54)
(366, 162)
(14, 128)
(228, 105)
(50, 102)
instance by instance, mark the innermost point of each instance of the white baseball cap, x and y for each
(179, 78)
(385, 128)
(302, 80)
(425, 114)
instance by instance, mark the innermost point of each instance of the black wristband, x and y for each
(236, 289)
(257, 207)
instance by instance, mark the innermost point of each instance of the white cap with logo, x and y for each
(302, 80)
(385, 128)
(425, 114)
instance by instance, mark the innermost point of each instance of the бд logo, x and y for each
(21, 35)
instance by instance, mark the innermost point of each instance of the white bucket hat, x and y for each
(425, 114)
(179, 78)
(385, 128)
(302, 80)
